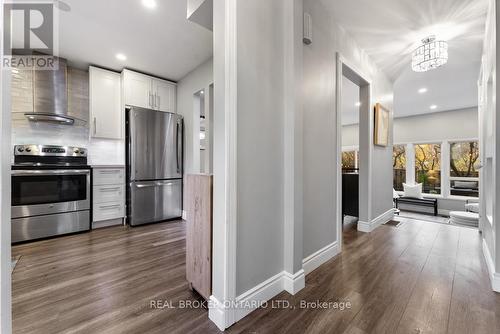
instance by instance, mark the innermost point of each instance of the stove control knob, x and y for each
(28, 149)
(76, 151)
(82, 151)
(20, 149)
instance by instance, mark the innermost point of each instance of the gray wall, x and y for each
(454, 124)
(320, 128)
(260, 142)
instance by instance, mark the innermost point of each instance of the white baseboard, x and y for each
(226, 314)
(184, 214)
(315, 260)
(257, 296)
(294, 283)
(219, 314)
(494, 276)
(380, 220)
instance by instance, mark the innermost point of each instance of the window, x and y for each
(350, 160)
(428, 167)
(464, 166)
(399, 166)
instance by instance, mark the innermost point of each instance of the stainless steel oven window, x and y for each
(33, 187)
(30, 190)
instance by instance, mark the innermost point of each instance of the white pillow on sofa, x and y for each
(413, 190)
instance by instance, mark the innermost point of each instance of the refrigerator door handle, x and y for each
(177, 142)
(145, 185)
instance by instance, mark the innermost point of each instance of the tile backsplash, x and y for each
(101, 151)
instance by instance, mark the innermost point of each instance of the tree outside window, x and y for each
(428, 167)
(349, 161)
(464, 169)
(399, 166)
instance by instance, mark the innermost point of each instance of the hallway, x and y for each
(418, 278)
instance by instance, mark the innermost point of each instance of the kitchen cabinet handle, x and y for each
(103, 190)
(95, 126)
(110, 171)
(109, 206)
(159, 102)
(150, 96)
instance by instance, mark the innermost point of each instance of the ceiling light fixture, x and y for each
(433, 107)
(430, 55)
(422, 90)
(121, 56)
(151, 4)
(358, 104)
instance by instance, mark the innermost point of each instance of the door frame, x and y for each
(5, 194)
(365, 85)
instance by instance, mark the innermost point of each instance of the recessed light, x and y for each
(121, 56)
(433, 107)
(358, 104)
(422, 90)
(151, 4)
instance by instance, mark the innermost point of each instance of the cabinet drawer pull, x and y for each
(113, 171)
(104, 190)
(110, 206)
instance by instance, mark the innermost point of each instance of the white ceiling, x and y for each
(158, 41)
(389, 30)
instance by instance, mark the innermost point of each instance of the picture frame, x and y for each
(381, 133)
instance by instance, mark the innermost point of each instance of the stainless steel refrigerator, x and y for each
(154, 165)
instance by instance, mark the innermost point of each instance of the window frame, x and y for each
(445, 165)
(459, 178)
(414, 166)
(406, 164)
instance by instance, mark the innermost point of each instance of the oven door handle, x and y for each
(50, 172)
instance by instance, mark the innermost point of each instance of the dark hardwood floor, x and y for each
(104, 282)
(419, 277)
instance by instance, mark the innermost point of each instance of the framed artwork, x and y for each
(381, 125)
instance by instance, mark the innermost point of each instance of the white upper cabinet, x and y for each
(165, 95)
(144, 91)
(137, 89)
(106, 116)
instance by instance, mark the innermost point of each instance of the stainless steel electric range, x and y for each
(50, 191)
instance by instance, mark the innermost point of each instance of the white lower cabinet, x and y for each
(108, 196)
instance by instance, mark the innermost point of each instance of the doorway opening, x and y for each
(353, 144)
(203, 138)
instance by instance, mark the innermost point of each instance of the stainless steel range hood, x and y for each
(50, 96)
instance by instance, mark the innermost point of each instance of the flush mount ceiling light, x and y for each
(151, 4)
(433, 107)
(430, 55)
(121, 56)
(422, 90)
(357, 104)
